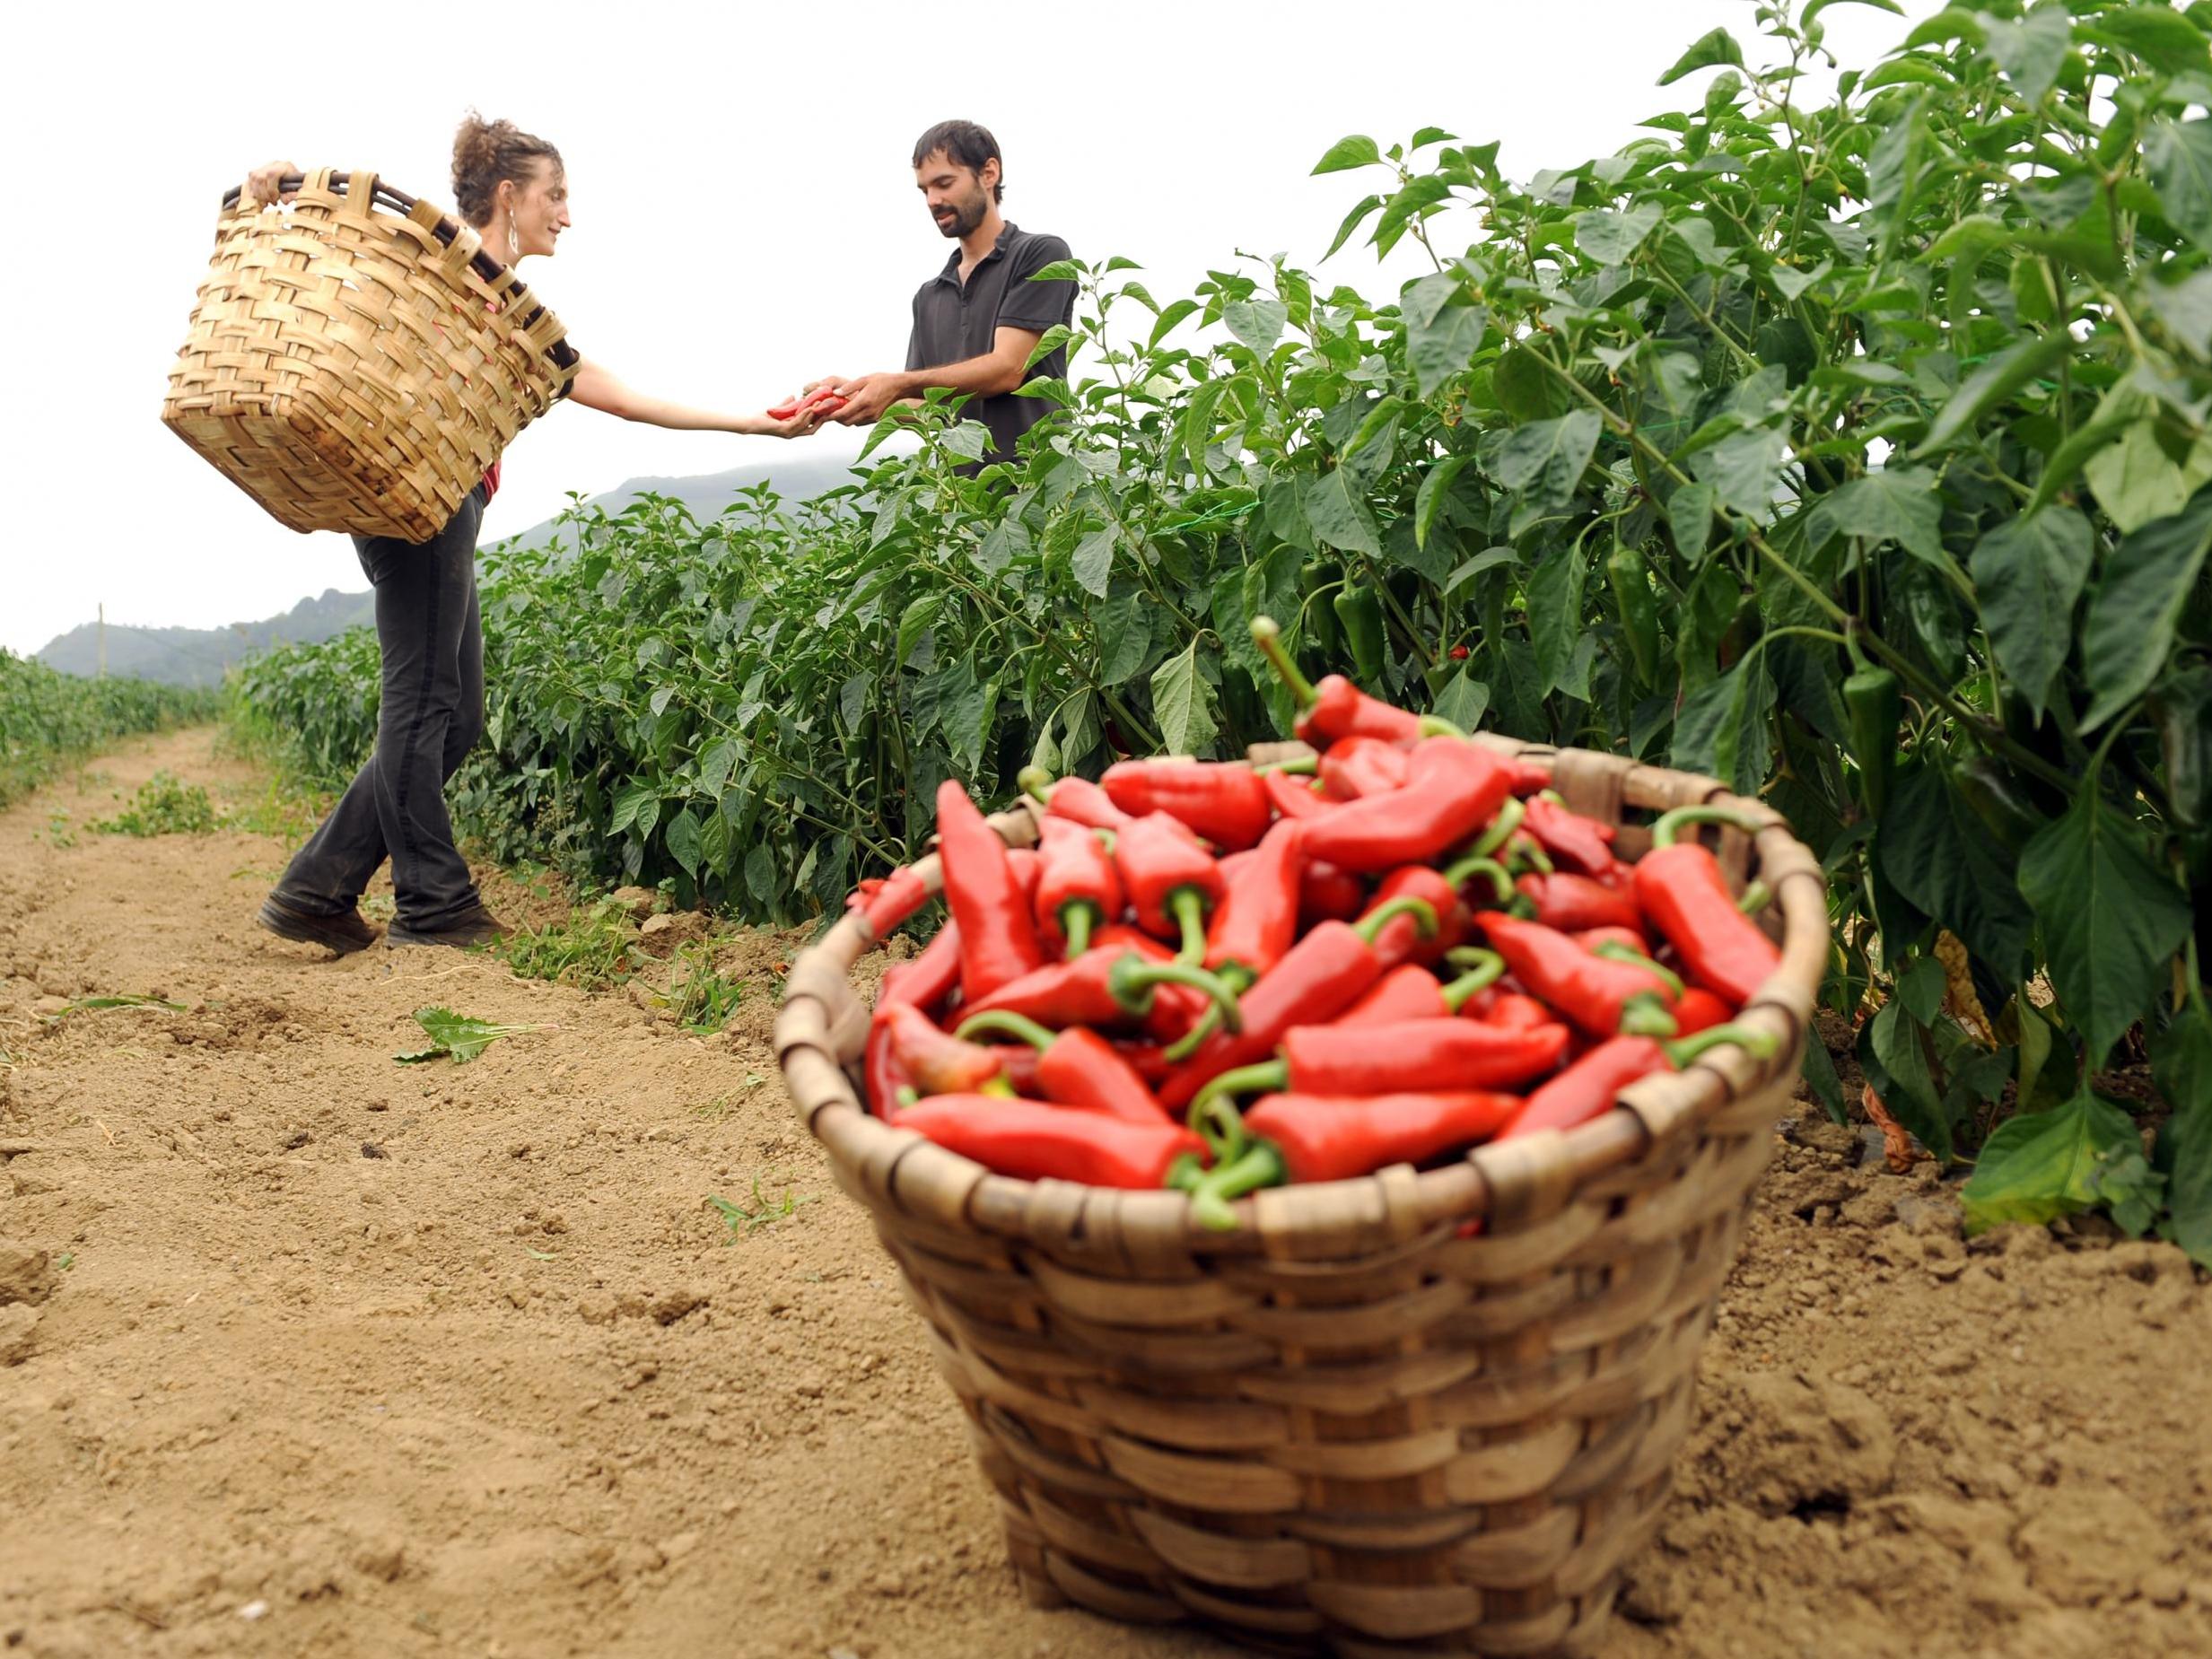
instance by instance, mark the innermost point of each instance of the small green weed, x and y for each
(715, 1110)
(123, 1000)
(284, 810)
(458, 1036)
(164, 805)
(59, 831)
(766, 1211)
(704, 1001)
(66, 1260)
(594, 949)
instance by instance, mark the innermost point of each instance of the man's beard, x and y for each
(964, 219)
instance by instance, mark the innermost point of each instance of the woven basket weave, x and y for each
(1356, 1425)
(358, 362)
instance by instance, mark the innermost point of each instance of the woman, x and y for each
(511, 187)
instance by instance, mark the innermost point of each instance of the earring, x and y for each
(514, 242)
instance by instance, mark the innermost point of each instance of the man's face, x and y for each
(957, 197)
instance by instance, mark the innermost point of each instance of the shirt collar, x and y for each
(951, 272)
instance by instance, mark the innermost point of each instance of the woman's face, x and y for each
(539, 208)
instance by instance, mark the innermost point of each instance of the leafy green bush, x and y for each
(48, 718)
(1851, 451)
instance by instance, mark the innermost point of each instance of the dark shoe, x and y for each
(345, 932)
(477, 926)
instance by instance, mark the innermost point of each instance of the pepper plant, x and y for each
(1850, 449)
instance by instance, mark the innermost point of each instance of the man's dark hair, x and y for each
(965, 145)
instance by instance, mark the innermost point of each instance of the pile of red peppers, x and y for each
(1217, 977)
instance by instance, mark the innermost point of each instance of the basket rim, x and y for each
(1522, 1179)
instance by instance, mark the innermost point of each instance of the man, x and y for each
(976, 322)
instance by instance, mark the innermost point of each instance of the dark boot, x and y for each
(477, 926)
(343, 933)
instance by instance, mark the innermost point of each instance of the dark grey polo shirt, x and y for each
(953, 324)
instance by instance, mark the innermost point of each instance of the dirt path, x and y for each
(317, 1353)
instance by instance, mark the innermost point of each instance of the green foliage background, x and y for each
(48, 719)
(1852, 451)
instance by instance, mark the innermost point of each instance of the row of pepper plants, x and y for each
(48, 719)
(1849, 449)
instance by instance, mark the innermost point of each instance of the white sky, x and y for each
(745, 213)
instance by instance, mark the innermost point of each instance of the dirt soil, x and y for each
(305, 1351)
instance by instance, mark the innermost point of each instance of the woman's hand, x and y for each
(263, 184)
(804, 424)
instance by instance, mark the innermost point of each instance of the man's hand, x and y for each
(866, 398)
(804, 424)
(262, 183)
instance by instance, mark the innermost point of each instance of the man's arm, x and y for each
(1003, 368)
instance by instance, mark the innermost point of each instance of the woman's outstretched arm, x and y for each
(596, 388)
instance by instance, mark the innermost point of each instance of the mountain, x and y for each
(198, 656)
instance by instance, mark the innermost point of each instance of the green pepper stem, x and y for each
(1298, 765)
(1268, 637)
(1683, 1050)
(1643, 1015)
(1526, 851)
(1755, 898)
(1500, 880)
(1132, 979)
(1264, 1077)
(1036, 783)
(1240, 979)
(1222, 1126)
(1075, 922)
(906, 1096)
(1423, 912)
(1183, 1174)
(1501, 828)
(1614, 951)
(1261, 1165)
(1187, 905)
(1012, 1025)
(1663, 833)
(1437, 726)
(1481, 976)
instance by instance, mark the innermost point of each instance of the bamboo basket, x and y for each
(1356, 1425)
(359, 362)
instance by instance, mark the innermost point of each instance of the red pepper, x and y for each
(1356, 766)
(1320, 976)
(1032, 1141)
(936, 1062)
(998, 939)
(1256, 920)
(1700, 1010)
(931, 977)
(1079, 889)
(1452, 790)
(1293, 795)
(1078, 1068)
(1335, 708)
(1513, 1010)
(1601, 996)
(1108, 986)
(1327, 893)
(1223, 801)
(1577, 904)
(1414, 1055)
(1172, 884)
(1411, 992)
(1575, 842)
(1682, 888)
(1529, 778)
(1076, 798)
(882, 1075)
(828, 395)
(1331, 1138)
(1586, 1089)
(1402, 940)
(1626, 939)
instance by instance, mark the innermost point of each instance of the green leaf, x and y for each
(2031, 52)
(1092, 562)
(1609, 237)
(1179, 704)
(912, 625)
(1365, 205)
(1544, 459)
(1463, 701)
(1942, 858)
(2028, 573)
(1721, 727)
(1345, 154)
(1912, 1100)
(461, 1037)
(1059, 271)
(1743, 469)
(1340, 517)
(2110, 916)
(1920, 987)
(2139, 600)
(2045, 1164)
(1257, 323)
(1719, 47)
(2179, 156)
(1443, 329)
(682, 836)
(1813, 8)
(1124, 637)
(2135, 480)
(1436, 489)
(2158, 34)
(1555, 612)
(637, 801)
(2185, 307)
(1819, 1076)
(2182, 1063)
(1897, 504)
(2015, 366)
(1524, 388)
(1689, 520)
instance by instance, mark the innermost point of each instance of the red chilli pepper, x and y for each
(1223, 801)
(1108, 986)
(1078, 1068)
(1601, 996)
(1452, 790)
(1256, 920)
(828, 395)
(1416, 1056)
(1402, 940)
(931, 977)
(1682, 890)
(1327, 893)
(936, 1062)
(1575, 842)
(1171, 882)
(1700, 1010)
(1513, 1010)
(1620, 937)
(1586, 1089)
(1412, 992)
(1577, 904)
(998, 939)
(1294, 797)
(1079, 890)
(1352, 767)
(1033, 1141)
(1335, 708)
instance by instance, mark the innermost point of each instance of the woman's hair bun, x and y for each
(485, 152)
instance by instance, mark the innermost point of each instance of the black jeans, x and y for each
(430, 715)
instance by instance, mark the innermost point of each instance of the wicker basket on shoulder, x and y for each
(1424, 1413)
(358, 362)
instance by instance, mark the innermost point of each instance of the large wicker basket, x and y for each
(358, 362)
(1358, 1423)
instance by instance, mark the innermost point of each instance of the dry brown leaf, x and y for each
(1897, 1149)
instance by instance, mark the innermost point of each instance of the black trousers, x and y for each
(430, 715)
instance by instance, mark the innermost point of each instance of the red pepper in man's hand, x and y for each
(820, 395)
(1172, 884)
(1681, 889)
(1079, 890)
(998, 939)
(1452, 790)
(1601, 996)
(1224, 802)
(1032, 1141)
